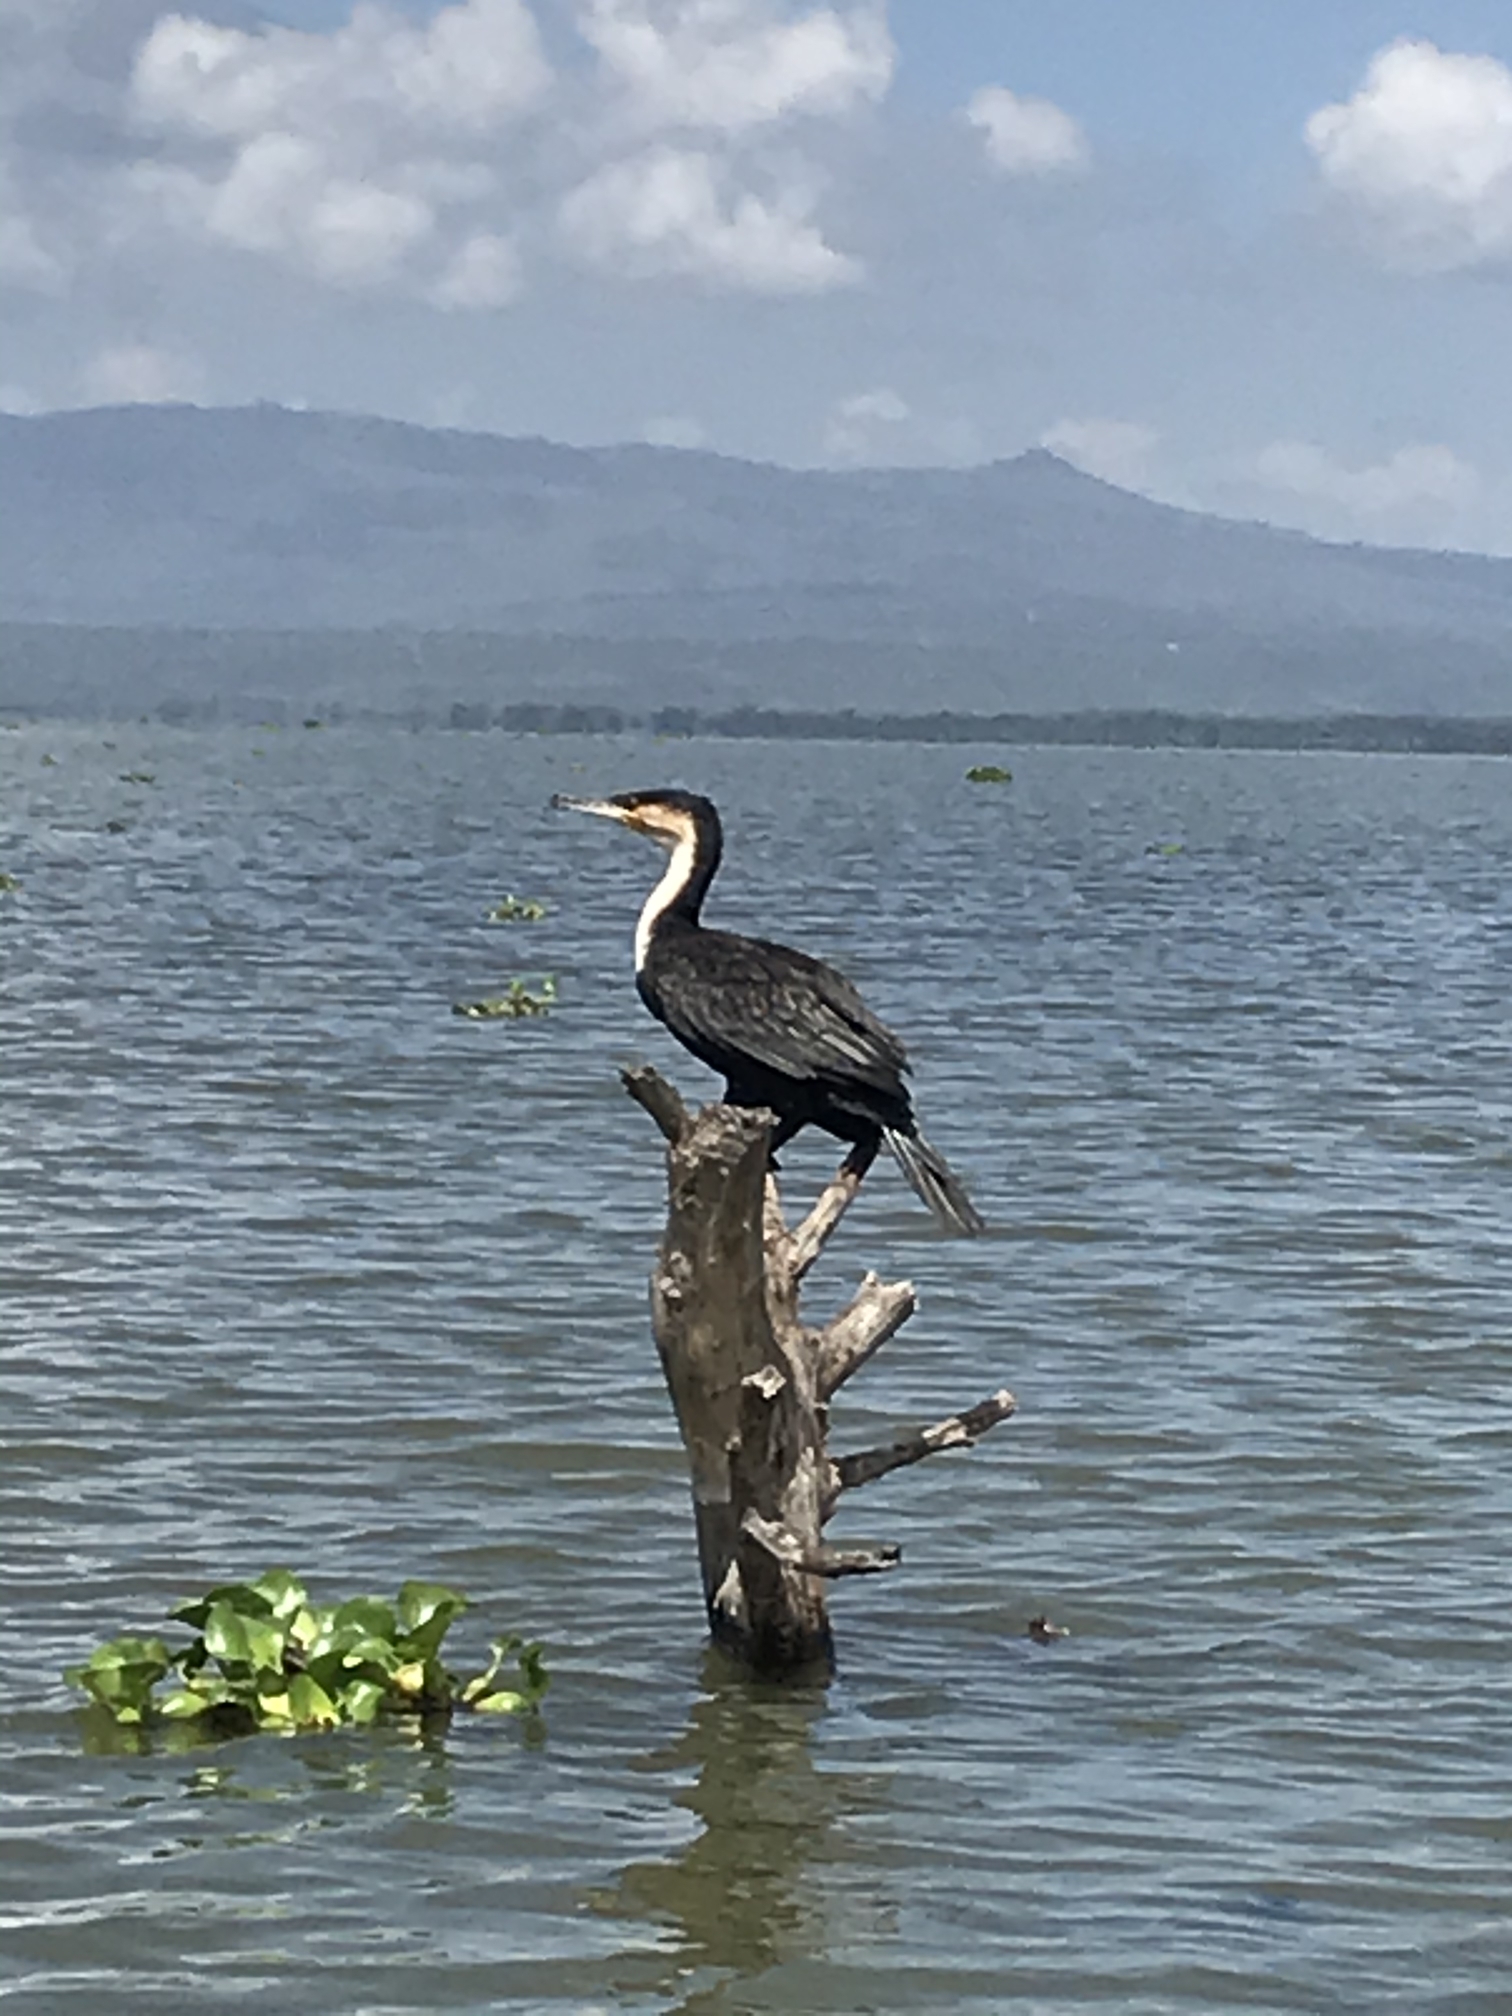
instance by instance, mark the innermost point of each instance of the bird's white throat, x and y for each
(666, 892)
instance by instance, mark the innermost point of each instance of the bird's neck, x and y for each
(678, 898)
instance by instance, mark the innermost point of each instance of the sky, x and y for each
(1249, 258)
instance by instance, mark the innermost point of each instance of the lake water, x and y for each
(298, 1267)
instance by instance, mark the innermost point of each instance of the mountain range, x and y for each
(382, 561)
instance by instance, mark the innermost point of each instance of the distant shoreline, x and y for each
(1108, 728)
(1100, 728)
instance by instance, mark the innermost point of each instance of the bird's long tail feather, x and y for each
(934, 1181)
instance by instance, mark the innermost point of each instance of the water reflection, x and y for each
(406, 1757)
(306, 1783)
(749, 1892)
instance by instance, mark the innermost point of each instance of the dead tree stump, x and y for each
(751, 1382)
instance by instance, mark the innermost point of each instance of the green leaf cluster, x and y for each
(988, 773)
(517, 1000)
(265, 1657)
(517, 910)
(9, 881)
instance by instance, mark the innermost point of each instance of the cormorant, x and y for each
(787, 1032)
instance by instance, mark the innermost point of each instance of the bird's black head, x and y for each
(675, 818)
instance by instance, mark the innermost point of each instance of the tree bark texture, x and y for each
(750, 1381)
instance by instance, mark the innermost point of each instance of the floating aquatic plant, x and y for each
(9, 881)
(517, 910)
(988, 773)
(138, 777)
(264, 1657)
(516, 1001)
(1166, 847)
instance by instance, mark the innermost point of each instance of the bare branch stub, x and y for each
(661, 1100)
(831, 1562)
(956, 1431)
(821, 1224)
(879, 1311)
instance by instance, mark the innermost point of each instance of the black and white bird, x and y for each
(786, 1031)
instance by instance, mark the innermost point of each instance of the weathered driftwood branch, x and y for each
(814, 1234)
(956, 1431)
(662, 1101)
(817, 1560)
(750, 1382)
(880, 1310)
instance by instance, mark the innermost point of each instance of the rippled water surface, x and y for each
(297, 1266)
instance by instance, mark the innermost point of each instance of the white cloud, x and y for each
(139, 374)
(484, 272)
(1118, 451)
(1423, 155)
(728, 66)
(857, 427)
(681, 211)
(353, 155)
(878, 427)
(1411, 478)
(24, 260)
(281, 196)
(1027, 136)
(685, 95)
(429, 157)
(674, 430)
(18, 399)
(474, 63)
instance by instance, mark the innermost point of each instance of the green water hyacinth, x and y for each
(519, 999)
(517, 910)
(265, 1657)
(988, 773)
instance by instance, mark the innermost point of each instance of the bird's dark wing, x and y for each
(779, 1007)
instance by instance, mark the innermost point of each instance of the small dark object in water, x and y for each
(1043, 1632)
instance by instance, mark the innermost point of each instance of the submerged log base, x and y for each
(750, 1382)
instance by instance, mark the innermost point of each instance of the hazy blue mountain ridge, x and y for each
(1021, 582)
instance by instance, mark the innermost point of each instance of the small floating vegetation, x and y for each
(264, 1657)
(138, 777)
(988, 773)
(517, 910)
(8, 882)
(519, 999)
(1166, 847)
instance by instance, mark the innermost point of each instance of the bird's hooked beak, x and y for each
(637, 819)
(656, 821)
(604, 807)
